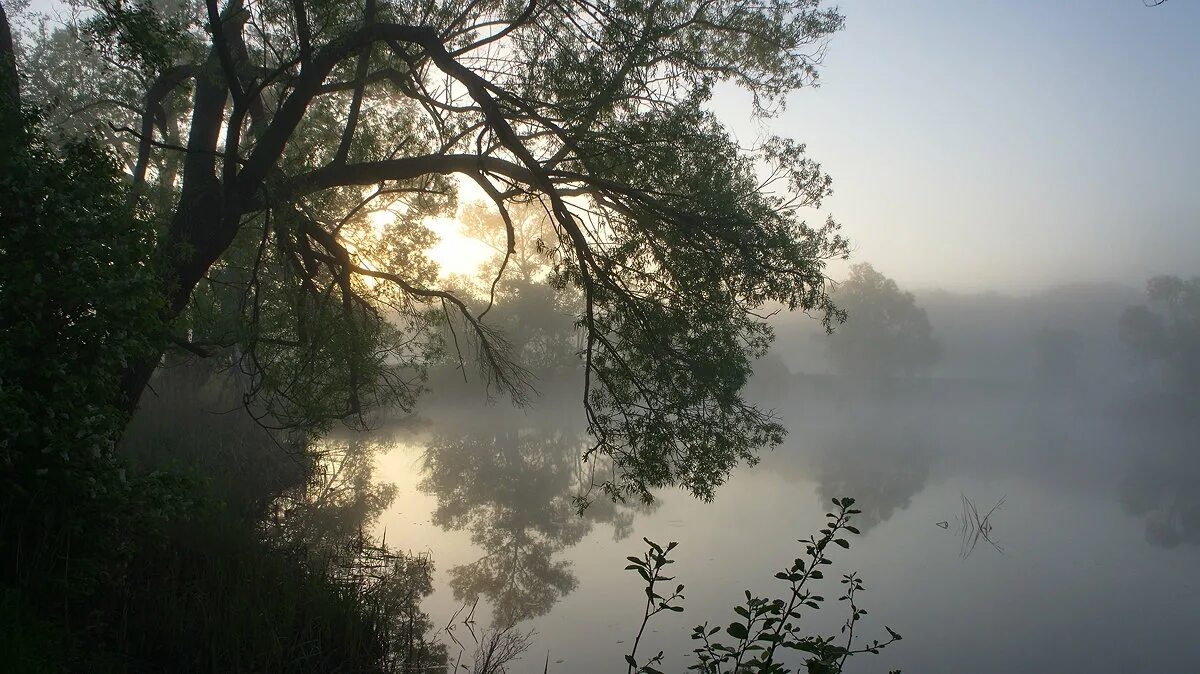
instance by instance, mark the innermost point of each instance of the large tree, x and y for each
(886, 331)
(264, 134)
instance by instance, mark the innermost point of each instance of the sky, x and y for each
(1008, 145)
(1004, 145)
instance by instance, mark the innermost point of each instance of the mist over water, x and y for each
(1090, 453)
(1028, 498)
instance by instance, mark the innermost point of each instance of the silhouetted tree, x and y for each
(1167, 328)
(885, 331)
(264, 133)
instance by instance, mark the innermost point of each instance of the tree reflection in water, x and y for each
(1160, 486)
(512, 487)
(340, 500)
(328, 520)
(883, 467)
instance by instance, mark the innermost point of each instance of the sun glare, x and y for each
(456, 253)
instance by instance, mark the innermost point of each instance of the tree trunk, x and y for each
(10, 88)
(200, 232)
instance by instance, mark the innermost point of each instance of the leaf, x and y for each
(894, 633)
(737, 630)
(631, 661)
(842, 542)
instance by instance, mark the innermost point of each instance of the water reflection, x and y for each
(511, 485)
(882, 467)
(340, 500)
(1161, 485)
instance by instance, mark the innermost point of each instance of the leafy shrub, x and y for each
(766, 628)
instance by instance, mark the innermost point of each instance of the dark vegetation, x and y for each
(112, 562)
(188, 182)
(767, 635)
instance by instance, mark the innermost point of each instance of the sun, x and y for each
(456, 253)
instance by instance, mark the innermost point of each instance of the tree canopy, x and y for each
(886, 332)
(266, 137)
(1167, 328)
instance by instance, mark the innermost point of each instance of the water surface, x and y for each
(1091, 565)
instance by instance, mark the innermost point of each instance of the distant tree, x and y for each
(885, 331)
(1167, 328)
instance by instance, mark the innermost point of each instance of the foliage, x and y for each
(80, 302)
(292, 151)
(766, 628)
(511, 487)
(885, 330)
(274, 572)
(79, 298)
(1167, 328)
(92, 551)
(216, 596)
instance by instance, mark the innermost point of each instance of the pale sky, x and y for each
(1009, 144)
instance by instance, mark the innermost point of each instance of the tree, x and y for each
(78, 299)
(1167, 328)
(885, 330)
(264, 132)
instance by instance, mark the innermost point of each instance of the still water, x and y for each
(1091, 564)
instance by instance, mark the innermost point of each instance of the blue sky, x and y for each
(1009, 145)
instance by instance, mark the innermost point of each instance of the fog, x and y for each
(1086, 452)
(1076, 452)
